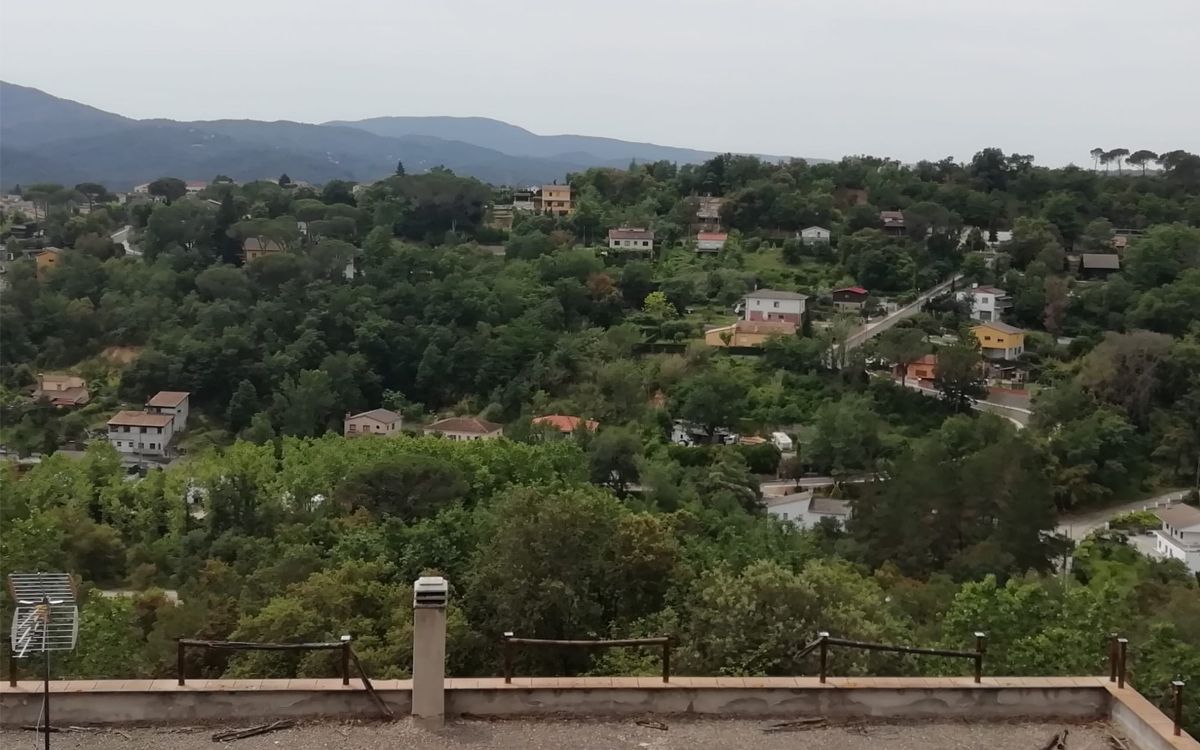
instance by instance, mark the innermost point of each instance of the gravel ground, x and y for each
(546, 734)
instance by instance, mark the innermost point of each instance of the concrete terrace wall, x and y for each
(907, 698)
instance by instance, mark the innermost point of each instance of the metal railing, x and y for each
(510, 642)
(824, 641)
(182, 644)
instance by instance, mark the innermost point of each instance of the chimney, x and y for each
(430, 595)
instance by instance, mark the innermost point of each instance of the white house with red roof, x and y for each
(141, 433)
(172, 403)
(850, 298)
(774, 305)
(627, 238)
(710, 242)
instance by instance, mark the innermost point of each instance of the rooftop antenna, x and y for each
(46, 619)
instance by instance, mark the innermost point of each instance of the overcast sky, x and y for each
(909, 79)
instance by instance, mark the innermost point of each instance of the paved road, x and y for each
(1079, 525)
(1015, 414)
(872, 330)
(121, 237)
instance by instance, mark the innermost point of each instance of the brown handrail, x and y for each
(182, 644)
(510, 641)
(824, 641)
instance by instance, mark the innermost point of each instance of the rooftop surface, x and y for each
(679, 734)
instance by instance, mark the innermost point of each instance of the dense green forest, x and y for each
(273, 529)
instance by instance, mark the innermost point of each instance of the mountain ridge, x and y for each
(44, 138)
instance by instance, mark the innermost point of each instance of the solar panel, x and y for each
(46, 617)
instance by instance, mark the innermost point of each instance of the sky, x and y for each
(908, 79)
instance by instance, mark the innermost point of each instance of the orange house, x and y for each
(924, 368)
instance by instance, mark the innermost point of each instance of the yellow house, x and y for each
(1000, 340)
(748, 332)
(46, 260)
(554, 199)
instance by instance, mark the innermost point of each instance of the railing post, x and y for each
(1177, 685)
(1122, 655)
(12, 666)
(1112, 657)
(345, 660)
(824, 636)
(980, 650)
(666, 659)
(180, 662)
(508, 656)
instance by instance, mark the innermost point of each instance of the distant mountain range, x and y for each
(47, 139)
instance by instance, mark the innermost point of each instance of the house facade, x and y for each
(999, 340)
(806, 511)
(774, 305)
(253, 248)
(748, 332)
(627, 238)
(173, 403)
(811, 235)
(554, 199)
(987, 302)
(850, 299)
(924, 368)
(465, 428)
(374, 422)
(1179, 537)
(893, 222)
(710, 242)
(61, 390)
(141, 433)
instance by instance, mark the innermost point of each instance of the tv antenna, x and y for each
(46, 619)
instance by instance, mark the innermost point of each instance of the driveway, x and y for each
(1078, 525)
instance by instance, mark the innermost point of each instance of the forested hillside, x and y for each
(408, 294)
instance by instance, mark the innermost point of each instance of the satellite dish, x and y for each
(46, 619)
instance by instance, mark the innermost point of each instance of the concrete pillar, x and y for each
(430, 594)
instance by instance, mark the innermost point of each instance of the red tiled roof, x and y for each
(564, 422)
(625, 233)
(168, 399)
(464, 424)
(140, 419)
(852, 290)
(715, 236)
(383, 416)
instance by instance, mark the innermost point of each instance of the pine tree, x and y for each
(242, 406)
(399, 169)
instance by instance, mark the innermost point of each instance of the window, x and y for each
(645, 243)
(353, 427)
(776, 304)
(987, 338)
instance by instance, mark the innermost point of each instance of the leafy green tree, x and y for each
(404, 486)
(242, 406)
(848, 437)
(170, 189)
(1141, 158)
(902, 346)
(959, 375)
(613, 457)
(715, 398)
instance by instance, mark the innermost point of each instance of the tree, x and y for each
(242, 406)
(658, 306)
(399, 169)
(1057, 298)
(1141, 158)
(792, 468)
(959, 375)
(169, 189)
(406, 486)
(1097, 153)
(1122, 371)
(284, 180)
(1117, 154)
(613, 457)
(902, 346)
(93, 191)
(715, 398)
(848, 437)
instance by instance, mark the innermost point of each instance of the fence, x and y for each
(510, 642)
(347, 654)
(1118, 662)
(824, 641)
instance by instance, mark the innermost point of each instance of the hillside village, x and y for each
(756, 375)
